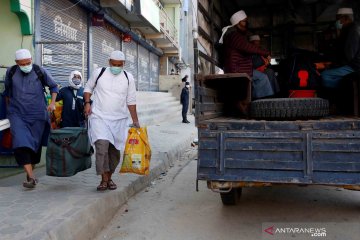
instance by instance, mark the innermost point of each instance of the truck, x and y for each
(296, 141)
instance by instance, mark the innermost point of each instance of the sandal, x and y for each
(30, 183)
(28, 179)
(102, 186)
(111, 185)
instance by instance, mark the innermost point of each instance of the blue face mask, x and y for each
(116, 70)
(26, 69)
(76, 81)
(338, 25)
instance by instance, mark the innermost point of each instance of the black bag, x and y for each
(220, 49)
(302, 73)
(68, 152)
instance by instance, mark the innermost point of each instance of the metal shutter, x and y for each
(104, 42)
(61, 20)
(154, 72)
(131, 56)
(144, 69)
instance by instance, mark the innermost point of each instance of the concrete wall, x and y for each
(11, 37)
(167, 82)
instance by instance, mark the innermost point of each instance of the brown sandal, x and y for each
(102, 186)
(111, 185)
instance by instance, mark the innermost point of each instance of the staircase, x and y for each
(155, 107)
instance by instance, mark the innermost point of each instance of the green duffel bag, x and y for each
(68, 152)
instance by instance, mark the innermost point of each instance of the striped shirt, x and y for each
(238, 53)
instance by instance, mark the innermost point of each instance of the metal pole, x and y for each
(83, 58)
(42, 55)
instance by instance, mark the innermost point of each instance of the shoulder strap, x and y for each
(126, 76)
(72, 92)
(40, 75)
(100, 74)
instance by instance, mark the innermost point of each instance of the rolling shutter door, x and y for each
(131, 56)
(154, 72)
(104, 42)
(61, 20)
(144, 69)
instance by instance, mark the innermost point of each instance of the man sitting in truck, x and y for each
(261, 65)
(348, 49)
(238, 52)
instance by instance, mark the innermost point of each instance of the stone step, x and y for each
(155, 107)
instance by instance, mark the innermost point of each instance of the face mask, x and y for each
(116, 70)
(26, 69)
(338, 25)
(187, 86)
(76, 81)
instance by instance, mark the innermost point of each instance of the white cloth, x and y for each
(112, 94)
(345, 11)
(71, 84)
(117, 55)
(254, 38)
(235, 19)
(115, 131)
(22, 54)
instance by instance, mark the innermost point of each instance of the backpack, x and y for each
(220, 49)
(103, 70)
(37, 70)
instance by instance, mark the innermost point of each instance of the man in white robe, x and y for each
(112, 94)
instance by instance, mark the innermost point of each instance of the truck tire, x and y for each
(289, 108)
(232, 197)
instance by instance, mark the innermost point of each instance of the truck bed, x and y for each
(325, 151)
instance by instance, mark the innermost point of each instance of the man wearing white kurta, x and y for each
(112, 94)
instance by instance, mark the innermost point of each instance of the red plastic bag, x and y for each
(6, 141)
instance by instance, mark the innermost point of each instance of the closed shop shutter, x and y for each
(105, 40)
(154, 72)
(144, 69)
(131, 56)
(61, 20)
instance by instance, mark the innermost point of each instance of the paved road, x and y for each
(172, 209)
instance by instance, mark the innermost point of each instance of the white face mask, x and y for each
(188, 86)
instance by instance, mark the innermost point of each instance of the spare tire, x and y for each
(289, 108)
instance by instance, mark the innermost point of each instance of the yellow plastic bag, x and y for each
(137, 152)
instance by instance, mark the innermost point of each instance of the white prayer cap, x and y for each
(22, 54)
(345, 11)
(254, 38)
(237, 17)
(117, 55)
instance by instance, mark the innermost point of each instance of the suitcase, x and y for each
(69, 152)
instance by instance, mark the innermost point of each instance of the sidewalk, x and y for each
(71, 208)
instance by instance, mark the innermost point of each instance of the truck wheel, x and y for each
(232, 197)
(289, 108)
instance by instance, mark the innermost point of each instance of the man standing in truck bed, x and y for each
(238, 55)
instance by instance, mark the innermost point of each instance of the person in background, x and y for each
(172, 72)
(261, 65)
(348, 49)
(113, 93)
(185, 79)
(73, 105)
(184, 100)
(27, 111)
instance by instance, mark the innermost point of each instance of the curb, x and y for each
(89, 221)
